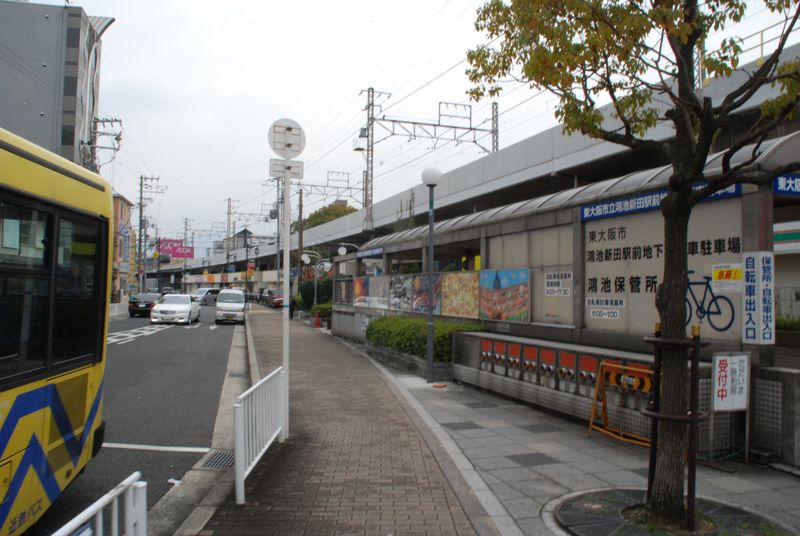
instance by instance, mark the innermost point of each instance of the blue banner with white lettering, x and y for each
(644, 203)
(787, 185)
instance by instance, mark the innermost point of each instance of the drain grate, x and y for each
(217, 459)
(589, 509)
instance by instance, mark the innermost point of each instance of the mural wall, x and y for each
(505, 295)
(613, 280)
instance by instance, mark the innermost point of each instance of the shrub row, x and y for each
(787, 323)
(322, 310)
(410, 335)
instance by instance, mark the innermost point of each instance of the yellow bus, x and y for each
(55, 267)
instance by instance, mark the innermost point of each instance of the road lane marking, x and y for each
(121, 337)
(157, 448)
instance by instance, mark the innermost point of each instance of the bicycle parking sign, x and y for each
(758, 298)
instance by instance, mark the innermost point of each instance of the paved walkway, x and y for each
(376, 451)
(356, 462)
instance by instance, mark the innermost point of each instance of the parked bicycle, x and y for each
(718, 310)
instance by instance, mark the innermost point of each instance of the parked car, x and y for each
(179, 308)
(140, 304)
(274, 298)
(167, 290)
(230, 306)
(205, 296)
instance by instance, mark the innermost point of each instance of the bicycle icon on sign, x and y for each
(718, 310)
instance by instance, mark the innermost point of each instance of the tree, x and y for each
(326, 214)
(636, 55)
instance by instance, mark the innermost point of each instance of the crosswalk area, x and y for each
(124, 337)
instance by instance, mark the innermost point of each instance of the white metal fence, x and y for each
(134, 496)
(258, 420)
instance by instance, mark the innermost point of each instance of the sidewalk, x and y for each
(376, 451)
(355, 463)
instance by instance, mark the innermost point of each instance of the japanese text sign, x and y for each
(758, 298)
(730, 380)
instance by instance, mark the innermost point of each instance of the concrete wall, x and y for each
(32, 72)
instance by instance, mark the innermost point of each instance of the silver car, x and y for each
(178, 308)
(230, 306)
(205, 296)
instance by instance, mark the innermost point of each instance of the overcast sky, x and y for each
(198, 83)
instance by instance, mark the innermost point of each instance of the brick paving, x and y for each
(355, 463)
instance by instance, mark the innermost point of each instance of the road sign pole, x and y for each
(287, 296)
(287, 139)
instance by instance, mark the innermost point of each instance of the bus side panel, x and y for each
(69, 411)
(24, 411)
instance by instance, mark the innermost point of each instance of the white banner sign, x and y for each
(758, 298)
(730, 382)
(727, 278)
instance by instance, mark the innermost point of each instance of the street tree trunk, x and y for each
(667, 497)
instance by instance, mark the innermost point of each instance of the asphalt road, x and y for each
(162, 389)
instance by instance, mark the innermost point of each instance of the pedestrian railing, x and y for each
(258, 421)
(134, 499)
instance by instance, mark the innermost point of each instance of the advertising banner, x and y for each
(174, 249)
(505, 295)
(460, 294)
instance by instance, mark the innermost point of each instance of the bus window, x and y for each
(22, 236)
(24, 287)
(77, 290)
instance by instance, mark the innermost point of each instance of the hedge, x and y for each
(410, 335)
(787, 323)
(322, 310)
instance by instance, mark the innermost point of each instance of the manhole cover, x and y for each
(217, 459)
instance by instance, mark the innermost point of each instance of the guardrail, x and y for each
(134, 493)
(257, 422)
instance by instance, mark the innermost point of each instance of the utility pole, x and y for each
(146, 192)
(89, 157)
(454, 124)
(228, 234)
(186, 232)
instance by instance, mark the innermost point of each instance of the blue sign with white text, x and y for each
(644, 203)
(787, 185)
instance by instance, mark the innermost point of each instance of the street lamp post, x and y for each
(343, 247)
(306, 258)
(246, 266)
(430, 178)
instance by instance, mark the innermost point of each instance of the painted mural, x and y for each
(401, 292)
(421, 294)
(379, 292)
(460, 294)
(505, 295)
(361, 292)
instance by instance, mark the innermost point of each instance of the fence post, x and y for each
(140, 503)
(238, 429)
(284, 413)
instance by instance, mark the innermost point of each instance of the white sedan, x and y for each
(175, 308)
